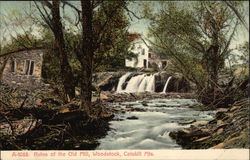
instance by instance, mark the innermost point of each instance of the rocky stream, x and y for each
(136, 111)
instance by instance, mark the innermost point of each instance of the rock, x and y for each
(202, 139)
(229, 129)
(107, 116)
(107, 81)
(200, 123)
(205, 130)
(234, 108)
(46, 84)
(77, 93)
(218, 146)
(186, 131)
(230, 115)
(38, 101)
(187, 122)
(103, 96)
(94, 99)
(219, 131)
(144, 103)
(212, 121)
(219, 122)
(13, 82)
(64, 110)
(185, 138)
(221, 109)
(148, 69)
(220, 115)
(138, 109)
(133, 117)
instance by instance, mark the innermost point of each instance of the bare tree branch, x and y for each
(46, 3)
(237, 14)
(46, 19)
(20, 50)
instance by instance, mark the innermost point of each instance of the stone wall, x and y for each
(22, 73)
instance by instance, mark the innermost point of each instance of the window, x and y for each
(164, 64)
(145, 63)
(13, 65)
(149, 55)
(29, 67)
(143, 51)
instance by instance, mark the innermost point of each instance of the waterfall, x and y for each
(151, 84)
(121, 81)
(134, 83)
(142, 87)
(166, 85)
(139, 83)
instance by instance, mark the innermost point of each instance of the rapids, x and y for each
(149, 128)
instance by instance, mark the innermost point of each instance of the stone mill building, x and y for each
(23, 67)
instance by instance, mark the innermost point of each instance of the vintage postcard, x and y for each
(122, 80)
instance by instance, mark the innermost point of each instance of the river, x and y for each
(148, 123)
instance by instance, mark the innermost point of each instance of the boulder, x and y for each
(106, 81)
(187, 122)
(144, 103)
(219, 131)
(200, 123)
(103, 96)
(218, 146)
(133, 117)
(184, 138)
(176, 84)
(202, 139)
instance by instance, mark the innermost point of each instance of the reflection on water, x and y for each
(150, 129)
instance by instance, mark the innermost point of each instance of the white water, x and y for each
(139, 83)
(166, 85)
(147, 84)
(134, 83)
(151, 84)
(121, 81)
(151, 129)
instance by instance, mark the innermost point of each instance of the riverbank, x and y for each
(229, 129)
(37, 119)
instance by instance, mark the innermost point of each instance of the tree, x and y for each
(196, 39)
(55, 25)
(86, 57)
(16, 35)
(110, 30)
(103, 35)
(98, 39)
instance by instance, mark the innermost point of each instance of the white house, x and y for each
(145, 56)
(140, 48)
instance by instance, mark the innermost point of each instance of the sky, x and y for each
(137, 25)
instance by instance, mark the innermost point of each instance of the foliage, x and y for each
(196, 39)
(244, 50)
(22, 41)
(111, 35)
(111, 43)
